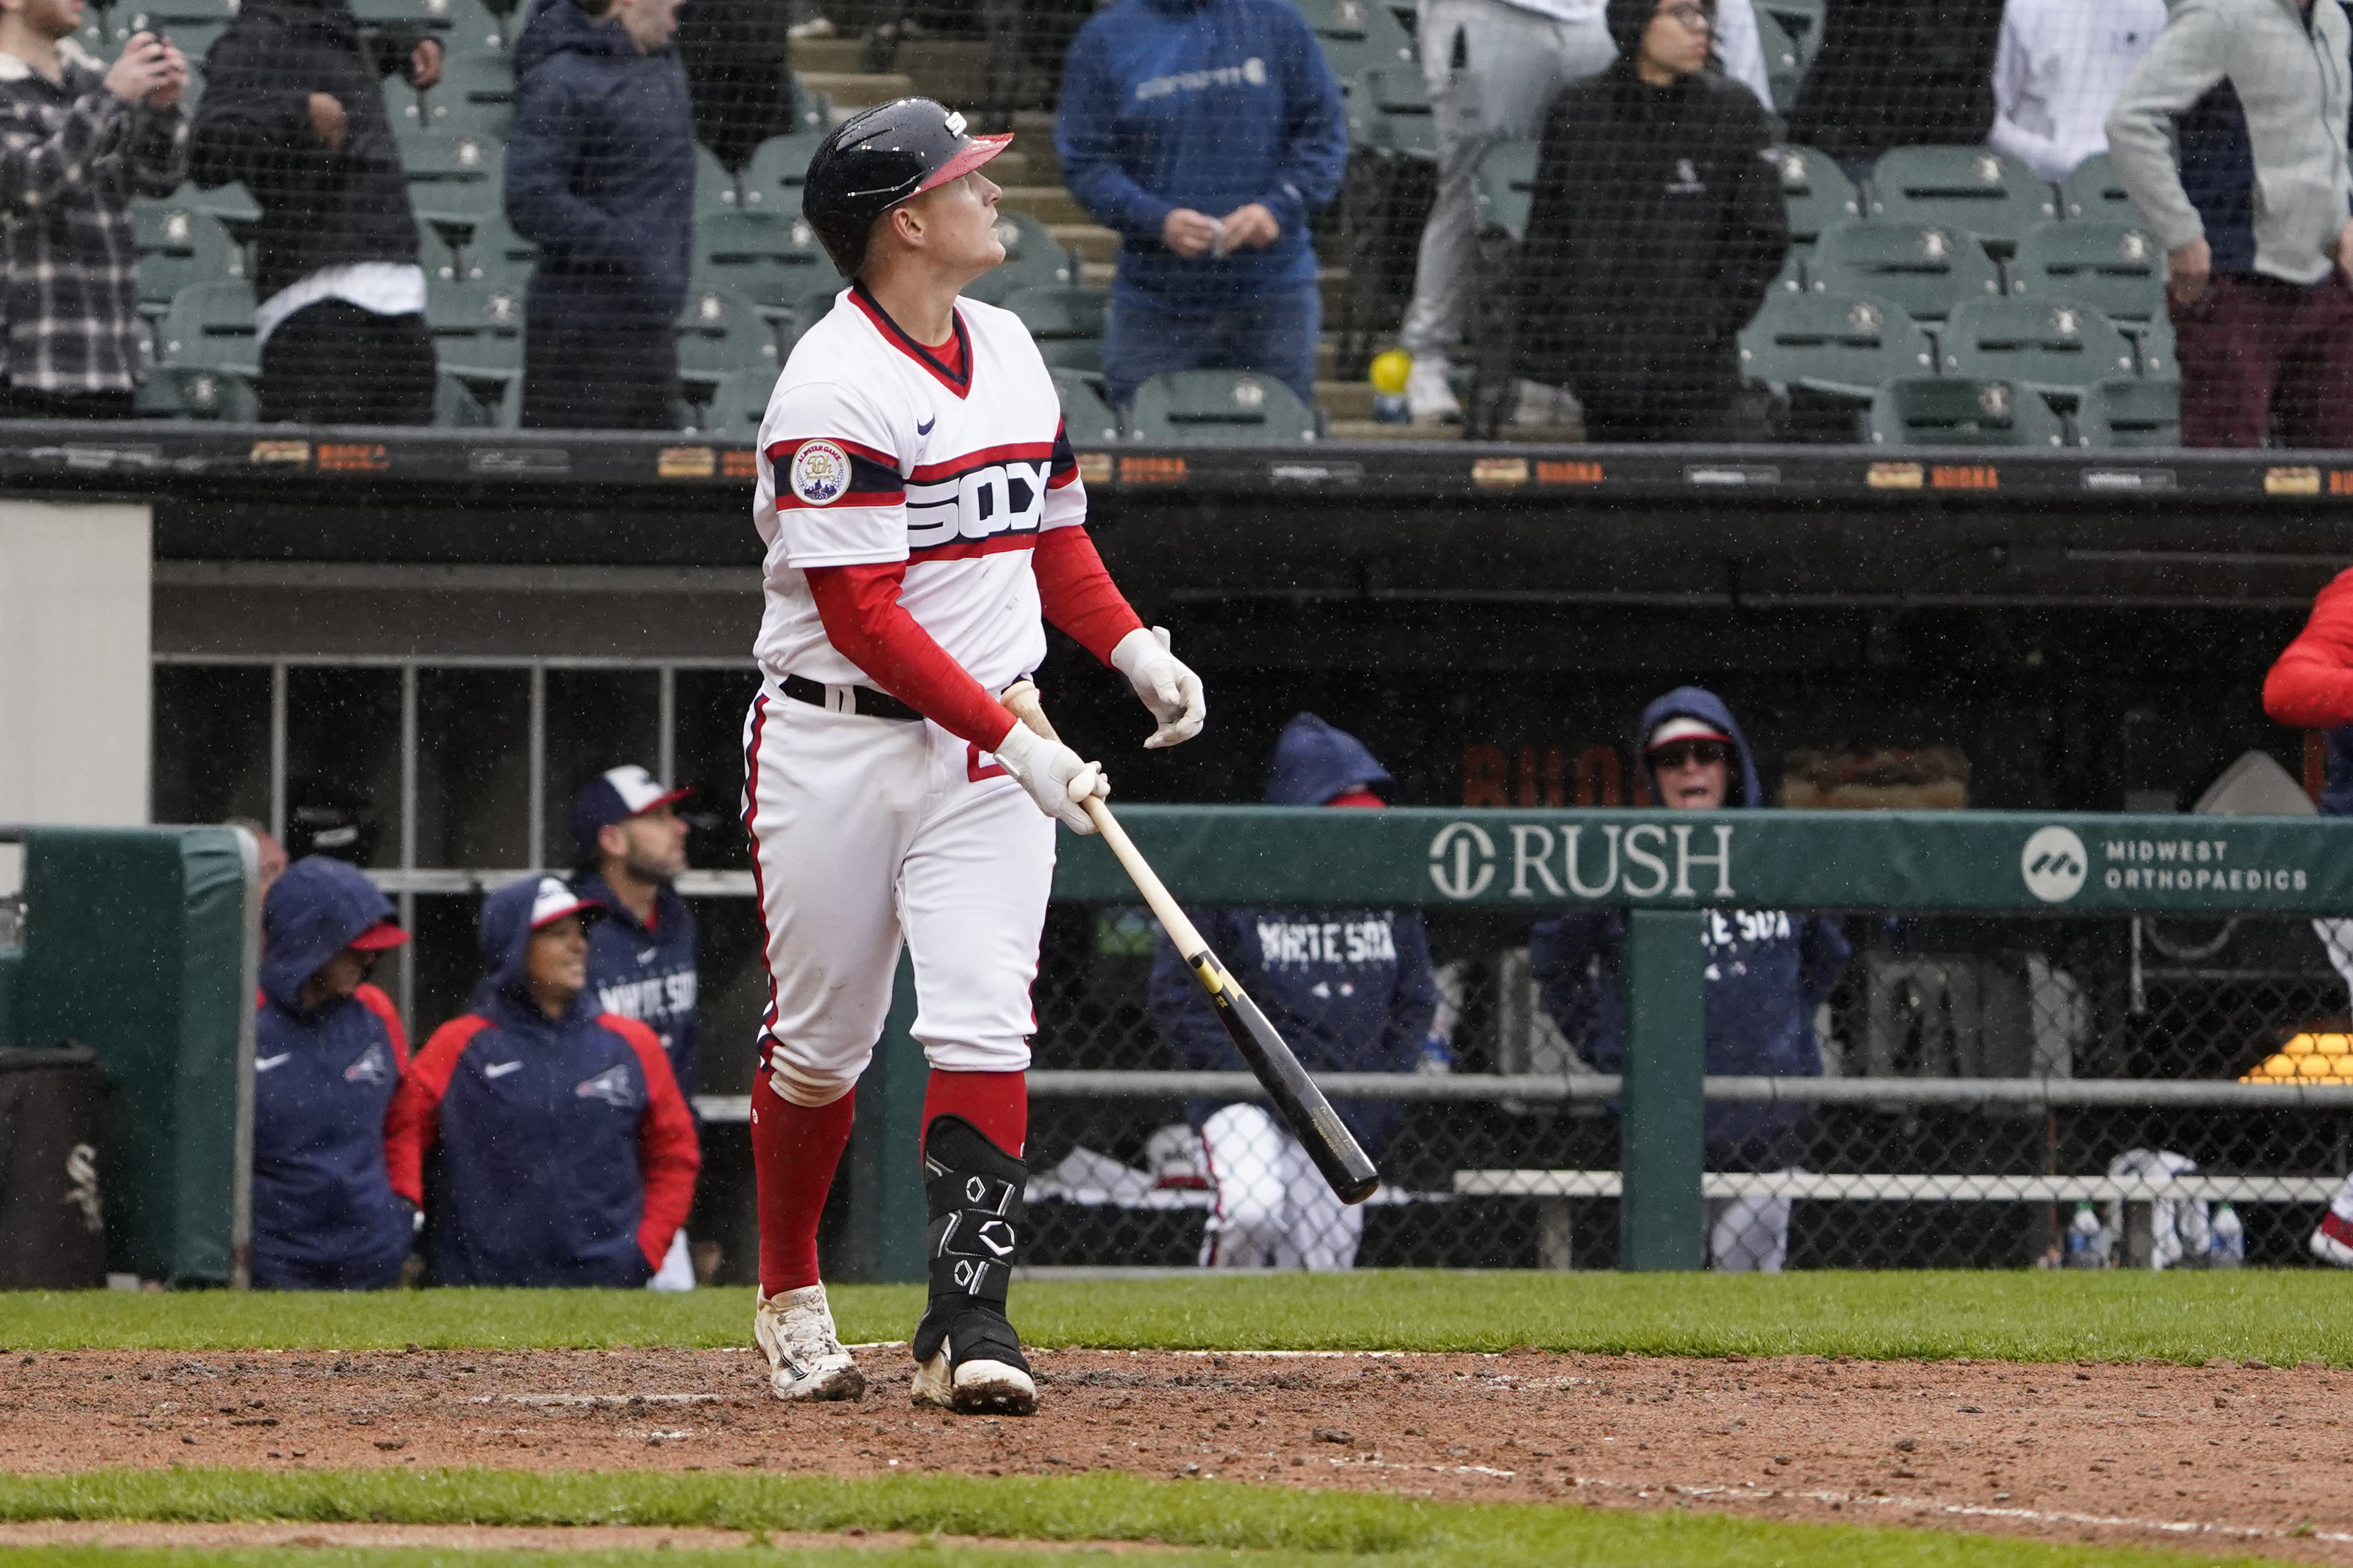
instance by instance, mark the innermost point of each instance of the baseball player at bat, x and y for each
(920, 510)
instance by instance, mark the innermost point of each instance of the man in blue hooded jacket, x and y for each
(600, 176)
(1205, 131)
(327, 1054)
(1351, 990)
(1767, 972)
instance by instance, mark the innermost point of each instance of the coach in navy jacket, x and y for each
(327, 1054)
(600, 175)
(1350, 990)
(546, 1140)
(641, 965)
(1767, 972)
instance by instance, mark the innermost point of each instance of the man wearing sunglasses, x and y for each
(1768, 971)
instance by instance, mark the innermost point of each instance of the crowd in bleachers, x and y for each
(1961, 261)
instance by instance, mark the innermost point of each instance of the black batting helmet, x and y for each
(872, 162)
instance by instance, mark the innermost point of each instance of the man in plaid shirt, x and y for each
(78, 141)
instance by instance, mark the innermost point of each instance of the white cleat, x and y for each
(805, 1361)
(2328, 1249)
(976, 1388)
(1428, 397)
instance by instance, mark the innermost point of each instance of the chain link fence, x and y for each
(1981, 1079)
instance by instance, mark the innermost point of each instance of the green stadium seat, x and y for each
(1389, 112)
(434, 254)
(813, 112)
(2131, 411)
(477, 332)
(476, 96)
(1815, 192)
(211, 324)
(1800, 21)
(1379, 39)
(1834, 344)
(2056, 346)
(2154, 346)
(469, 29)
(2115, 267)
(232, 204)
(198, 391)
(2094, 191)
(714, 188)
(739, 403)
(1032, 260)
(414, 110)
(772, 180)
(1927, 269)
(179, 245)
(1226, 405)
(194, 25)
(1785, 61)
(1989, 193)
(496, 255)
(1956, 411)
(455, 179)
(1086, 417)
(1506, 178)
(721, 332)
(770, 260)
(1067, 324)
(455, 407)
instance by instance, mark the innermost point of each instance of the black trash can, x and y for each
(52, 1228)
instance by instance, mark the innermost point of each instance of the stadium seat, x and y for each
(414, 110)
(2155, 349)
(772, 180)
(1233, 405)
(232, 204)
(455, 407)
(1375, 37)
(1832, 343)
(721, 332)
(476, 96)
(477, 332)
(1086, 417)
(1927, 269)
(769, 260)
(1816, 192)
(812, 110)
(2115, 267)
(2131, 411)
(1800, 20)
(1785, 61)
(469, 29)
(1032, 260)
(1989, 193)
(198, 391)
(1066, 323)
(739, 403)
(191, 24)
(2094, 191)
(2056, 346)
(1389, 112)
(1955, 411)
(496, 255)
(179, 246)
(455, 178)
(434, 254)
(1506, 179)
(714, 187)
(211, 324)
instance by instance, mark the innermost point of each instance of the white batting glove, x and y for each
(1056, 777)
(1163, 684)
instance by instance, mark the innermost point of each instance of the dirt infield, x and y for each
(2244, 1457)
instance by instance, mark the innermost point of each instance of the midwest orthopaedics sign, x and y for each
(2190, 864)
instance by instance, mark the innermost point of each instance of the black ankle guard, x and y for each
(974, 1191)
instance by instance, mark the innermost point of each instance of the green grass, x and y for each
(1266, 1525)
(2283, 1316)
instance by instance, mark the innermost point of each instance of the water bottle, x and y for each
(2226, 1239)
(2083, 1239)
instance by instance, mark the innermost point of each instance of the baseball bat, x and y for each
(1302, 1105)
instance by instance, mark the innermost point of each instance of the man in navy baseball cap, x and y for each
(641, 958)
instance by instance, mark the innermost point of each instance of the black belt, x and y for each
(864, 701)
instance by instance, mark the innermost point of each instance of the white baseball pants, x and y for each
(1748, 1236)
(869, 831)
(1274, 1209)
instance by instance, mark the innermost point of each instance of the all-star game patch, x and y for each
(820, 473)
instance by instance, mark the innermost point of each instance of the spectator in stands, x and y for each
(1655, 228)
(2058, 70)
(1351, 990)
(545, 1140)
(2230, 138)
(1767, 972)
(293, 107)
(642, 954)
(81, 140)
(328, 1053)
(600, 175)
(1898, 73)
(1490, 68)
(1205, 131)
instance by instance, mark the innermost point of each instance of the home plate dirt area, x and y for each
(2243, 1457)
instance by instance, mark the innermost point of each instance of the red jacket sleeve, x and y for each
(414, 1123)
(668, 1154)
(867, 625)
(2311, 685)
(377, 1002)
(1078, 594)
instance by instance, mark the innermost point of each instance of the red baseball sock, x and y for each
(998, 1103)
(795, 1149)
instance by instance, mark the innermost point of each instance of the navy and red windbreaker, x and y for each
(324, 1216)
(544, 1151)
(2311, 687)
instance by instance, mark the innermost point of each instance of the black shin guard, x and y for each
(974, 1191)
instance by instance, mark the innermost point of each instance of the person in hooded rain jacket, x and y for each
(1655, 226)
(327, 1055)
(545, 1140)
(1350, 990)
(1767, 972)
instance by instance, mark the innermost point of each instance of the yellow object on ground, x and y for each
(1390, 369)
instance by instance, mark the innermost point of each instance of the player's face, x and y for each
(652, 843)
(336, 979)
(960, 225)
(557, 963)
(1694, 775)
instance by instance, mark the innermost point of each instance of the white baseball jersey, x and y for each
(871, 450)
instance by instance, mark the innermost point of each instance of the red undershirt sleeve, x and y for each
(1078, 594)
(867, 625)
(2310, 686)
